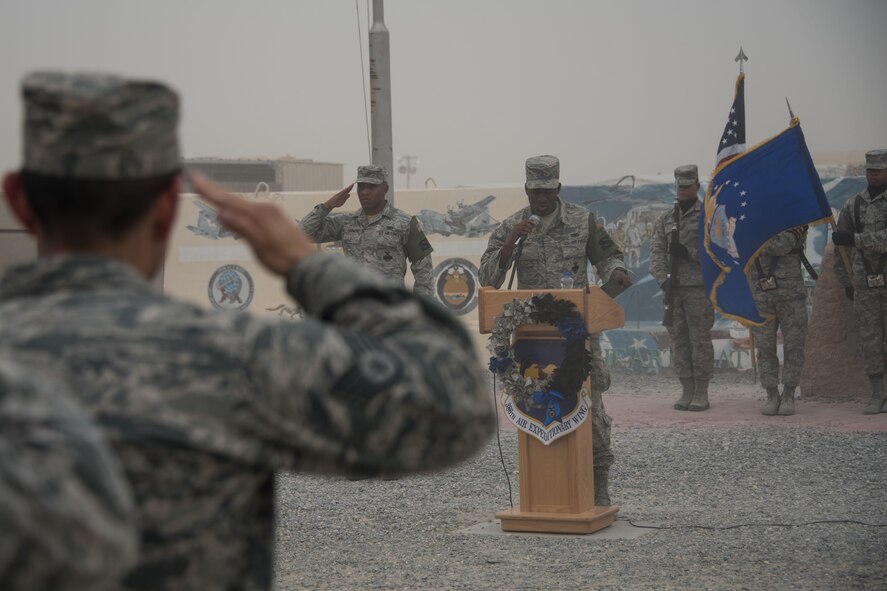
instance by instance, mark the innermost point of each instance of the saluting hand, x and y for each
(339, 199)
(277, 241)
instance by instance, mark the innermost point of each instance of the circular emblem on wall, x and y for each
(231, 288)
(455, 285)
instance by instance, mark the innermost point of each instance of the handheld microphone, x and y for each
(519, 248)
(533, 219)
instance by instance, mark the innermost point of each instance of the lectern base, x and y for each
(558, 523)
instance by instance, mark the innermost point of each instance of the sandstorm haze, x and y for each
(477, 86)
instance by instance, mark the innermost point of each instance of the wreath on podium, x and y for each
(545, 391)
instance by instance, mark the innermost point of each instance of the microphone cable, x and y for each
(766, 524)
(499, 442)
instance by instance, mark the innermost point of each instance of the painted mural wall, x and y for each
(204, 258)
(213, 267)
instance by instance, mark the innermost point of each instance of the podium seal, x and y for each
(544, 380)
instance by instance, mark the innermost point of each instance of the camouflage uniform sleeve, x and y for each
(321, 226)
(376, 380)
(423, 277)
(783, 243)
(418, 251)
(68, 521)
(489, 274)
(603, 253)
(844, 223)
(872, 242)
(658, 251)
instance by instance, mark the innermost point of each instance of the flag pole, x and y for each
(751, 352)
(842, 250)
(742, 58)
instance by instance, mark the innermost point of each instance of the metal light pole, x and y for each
(380, 95)
(407, 165)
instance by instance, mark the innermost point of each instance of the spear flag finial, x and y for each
(741, 58)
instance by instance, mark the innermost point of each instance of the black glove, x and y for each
(844, 238)
(676, 249)
(665, 285)
(848, 291)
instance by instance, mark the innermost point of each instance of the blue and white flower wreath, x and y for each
(567, 379)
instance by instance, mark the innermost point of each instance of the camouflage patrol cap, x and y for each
(686, 175)
(372, 174)
(98, 126)
(543, 172)
(876, 159)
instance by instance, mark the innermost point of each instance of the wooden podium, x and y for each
(556, 480)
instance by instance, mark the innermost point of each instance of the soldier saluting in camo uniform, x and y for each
(203, 407)
(566, 238)
(862, 226)
(693, 355)
(67, 515)
(779, 291)
(379, 234)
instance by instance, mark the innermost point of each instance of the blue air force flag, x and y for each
(770, 188)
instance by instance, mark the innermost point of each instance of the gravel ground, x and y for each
(725, 383)
(337, 534)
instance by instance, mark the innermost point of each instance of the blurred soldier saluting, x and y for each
(862, 226)
(202, 407)
(378, 235)
(561, 241)
(674, 264)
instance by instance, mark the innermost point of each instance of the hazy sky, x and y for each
(612, 88)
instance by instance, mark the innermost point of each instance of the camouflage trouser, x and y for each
(600, 420)
(692, 354)
(790, 316)
(870, 306)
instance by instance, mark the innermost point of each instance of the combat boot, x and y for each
(700, 396)
(601, 488)
(787, 402)
(684, 401)
(877, 401)
(772, 405)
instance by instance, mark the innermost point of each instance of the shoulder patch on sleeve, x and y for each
(375, 368)
(417, 246)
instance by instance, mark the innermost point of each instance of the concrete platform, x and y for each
(620, 530)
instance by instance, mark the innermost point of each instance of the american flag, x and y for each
(733, 139)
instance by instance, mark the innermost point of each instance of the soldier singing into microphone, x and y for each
(565, 237)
